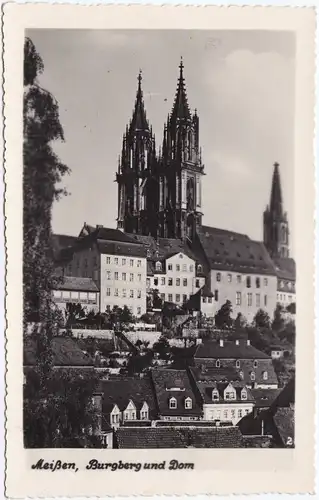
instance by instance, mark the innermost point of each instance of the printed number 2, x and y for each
(289, 441)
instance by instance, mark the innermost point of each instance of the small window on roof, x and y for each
(199, 268)
(217, 363)
(158, 266)
(172, 404)
(188, 403)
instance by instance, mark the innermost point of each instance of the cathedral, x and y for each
(160, 194)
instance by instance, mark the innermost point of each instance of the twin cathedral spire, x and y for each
(160, 194)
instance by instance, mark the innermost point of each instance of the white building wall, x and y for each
(246, 300)
(285, 298)
(227, 412)
(123, 283)
(178, 281)
(208, 306)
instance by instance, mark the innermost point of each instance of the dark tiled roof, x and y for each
(66, 352)
(213, 349)
(78, 283)
(60, 241)
(285, 268)
(286, 397)
(205, 291)
(264, 397)
(120, 392)
(110, 234)
(175, 383)
(213, 374)
(183, 437)
(234, 252)
(206, 389)
(163, 248)
(121, 248)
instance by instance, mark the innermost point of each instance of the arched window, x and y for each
(172, 404)
(237, 363)
(252, 376)
(244, 394)
(255, 363)
(265, 375)
(241, 374)
(217, 363)
(199, 268)
(215, 395)
(188, 404)
(158, 266)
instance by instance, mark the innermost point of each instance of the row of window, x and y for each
(229, 394)
(283, 297)
(228, 414)
(207, 299)
(288, 283)
(178, 267)
(188, 403)
(178, 297)
(66, 294)
(138, 309)
(255, 363)
(123, 276)
(178, 281)
(250, 299)
(131, 293)
(239, 280)
(118, 261)
(128, 415)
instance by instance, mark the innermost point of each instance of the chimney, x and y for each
(221, 343)
(237, 342)
(248, 342)
(99, 226)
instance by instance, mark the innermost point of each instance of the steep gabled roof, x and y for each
(121, 392)
(285, 268)
(226, 250)
(78, 284)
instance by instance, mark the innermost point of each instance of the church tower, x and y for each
(136, 177)
(180, 170)
(276, 231)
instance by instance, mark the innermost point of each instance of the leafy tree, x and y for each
(262, 319)
(223, 317)
(240, 321)
(153, 300)
(162, 348)
(291, 308)
(73, 313)
(57, 409)
(278, 321)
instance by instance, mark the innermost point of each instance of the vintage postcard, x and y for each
(160, 247)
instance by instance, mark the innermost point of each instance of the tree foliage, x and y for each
(278, 321)
(57, 407)
(262, 319)
(223, 317)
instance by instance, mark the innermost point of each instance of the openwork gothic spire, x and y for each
(139, 121)
(180, 107)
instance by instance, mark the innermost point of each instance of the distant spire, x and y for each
(276, 204)
(180, 107)
(139, 120)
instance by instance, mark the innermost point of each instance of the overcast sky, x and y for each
(241, 82)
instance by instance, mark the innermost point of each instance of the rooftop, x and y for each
(234, 251)
(229, 350)
(172, 437)
(78, 284)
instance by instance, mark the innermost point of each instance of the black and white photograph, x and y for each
(159, 279)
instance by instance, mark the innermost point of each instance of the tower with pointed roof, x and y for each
(276, 230)
(136, 176)
(180, 170)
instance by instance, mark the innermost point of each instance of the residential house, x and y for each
(77, 290)
(254, 367)
(177, 396)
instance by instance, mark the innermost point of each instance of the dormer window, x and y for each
(252, 376)
(158, 266)
(172, 404)
(255, 363)
(244, 394)
(217, 363)
(199, 268)
(237, 363)
(230, 394)
(265, 376)
(188, 403)
(241, 374)
(215, 395)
